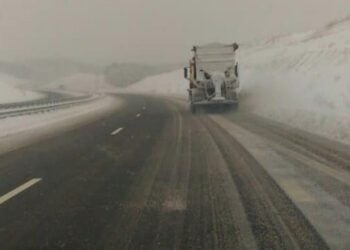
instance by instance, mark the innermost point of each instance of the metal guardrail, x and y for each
(38, 108)
(51, 97)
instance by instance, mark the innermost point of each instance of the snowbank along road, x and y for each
(153, 176)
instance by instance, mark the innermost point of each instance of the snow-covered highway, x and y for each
(135, 169)
(168, 179)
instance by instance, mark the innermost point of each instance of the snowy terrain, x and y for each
(80, 83)
(302, 80)
(22, 130)
(171, 83)
(11, 92)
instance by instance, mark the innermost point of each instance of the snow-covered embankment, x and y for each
(302, 80)
(9, 92)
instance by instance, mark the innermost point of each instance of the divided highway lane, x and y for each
(153, 176)
(85, 175)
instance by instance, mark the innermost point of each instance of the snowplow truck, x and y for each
(213, 76)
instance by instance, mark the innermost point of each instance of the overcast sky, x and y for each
(103, 31)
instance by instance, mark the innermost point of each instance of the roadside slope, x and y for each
(302, 79)
(10, 93)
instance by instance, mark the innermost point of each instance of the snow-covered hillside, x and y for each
(302, 80)
(9, 92)
(171, 83)
(80, 83)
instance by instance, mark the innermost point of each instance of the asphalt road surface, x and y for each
(154, 176)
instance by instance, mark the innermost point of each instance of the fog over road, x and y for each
(154, 176)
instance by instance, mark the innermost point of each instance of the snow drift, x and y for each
(9, 92)
(171, 83)
(80, 83)
(302, 80)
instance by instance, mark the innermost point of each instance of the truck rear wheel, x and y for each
(193, 108)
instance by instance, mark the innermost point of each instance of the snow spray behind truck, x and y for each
(213, 76)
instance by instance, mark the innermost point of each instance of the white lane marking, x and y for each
(138, 115)
(18, 190)
(116, 131)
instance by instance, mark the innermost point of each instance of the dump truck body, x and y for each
(213, 76)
